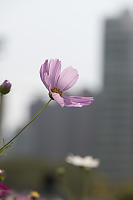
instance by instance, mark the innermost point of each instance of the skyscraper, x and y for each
(115, 134)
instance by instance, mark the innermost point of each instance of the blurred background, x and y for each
(96, 38)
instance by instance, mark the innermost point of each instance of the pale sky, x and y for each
(35, 30)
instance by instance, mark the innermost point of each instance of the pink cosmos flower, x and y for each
(58, 82)
(4, 190)
(23, 197)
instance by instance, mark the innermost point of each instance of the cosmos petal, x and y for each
(49, 72)
(44, 74)
(77, 101)
(58, 99)
(67, 78)
(44, 69)
(54, 71)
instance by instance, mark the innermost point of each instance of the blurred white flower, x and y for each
(2, 171)
(87, 161)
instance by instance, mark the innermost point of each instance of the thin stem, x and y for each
(0, 99)
(1, 112)
(4, 146)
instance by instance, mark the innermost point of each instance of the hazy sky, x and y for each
(34, 30)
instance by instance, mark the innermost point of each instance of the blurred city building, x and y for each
(115, 132)
(104, 129)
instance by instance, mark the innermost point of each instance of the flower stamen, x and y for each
(55, 90)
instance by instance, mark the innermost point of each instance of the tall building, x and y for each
(115, 134)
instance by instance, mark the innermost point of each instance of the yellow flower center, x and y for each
(34, 194)
(55, 90)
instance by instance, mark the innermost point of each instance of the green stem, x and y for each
(0, 99)
(4, 146)
(1, 112)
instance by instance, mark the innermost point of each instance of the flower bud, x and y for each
(2, 175)
(5, 87)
